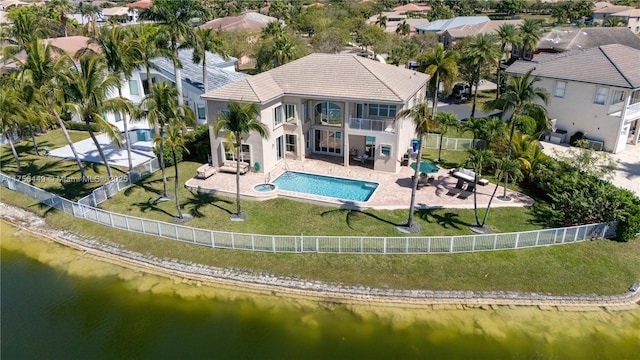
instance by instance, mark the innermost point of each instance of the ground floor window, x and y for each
(370, 145)
(328, 142)
(290, 143)
(230, 153)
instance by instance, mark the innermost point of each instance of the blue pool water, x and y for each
(339, 188)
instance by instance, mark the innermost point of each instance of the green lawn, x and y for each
(601, 267)
(53, 174)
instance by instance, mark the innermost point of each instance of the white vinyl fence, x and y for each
(111, 188)
(316, 244)
(457, 144)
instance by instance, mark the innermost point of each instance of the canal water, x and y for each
(58, 303)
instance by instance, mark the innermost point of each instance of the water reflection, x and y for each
(78, 306)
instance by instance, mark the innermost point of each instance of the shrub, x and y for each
(579, 135)
(168, 157)
(199, 144)
(80, 126)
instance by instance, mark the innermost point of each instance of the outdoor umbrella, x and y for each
(425, 167)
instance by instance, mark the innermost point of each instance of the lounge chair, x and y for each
(425, 180)
(458, 189)
(361, 158)
(467, 192)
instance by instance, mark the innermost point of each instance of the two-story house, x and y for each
(328, 106)
(595, 91)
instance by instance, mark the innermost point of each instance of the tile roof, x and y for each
(192, 73)
(584, 38)
(445, 24)
(611, 9)
(488, 27)
(612, 65)
(245, 21)
(337, 76)
(412, 8)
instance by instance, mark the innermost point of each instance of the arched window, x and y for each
(328, 113)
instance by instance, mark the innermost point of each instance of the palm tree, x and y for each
(520, 97)
(481, 51)
(477, 160)
(403, 29)
(494, 129)
(504, 167)
(60, 9)
(530, 34)
(382, 21)
(175, 140)
(446, 121)
(88, 90)
(421, 116)
(508, 35)
(613, 21)
(527, 150)
(160, 107)
(443, 68)
(240, 122)
(11, 114)
(203, 41)
(119, 52)
(26, 27)
(40, 73)
(477, 127)
(175, 17)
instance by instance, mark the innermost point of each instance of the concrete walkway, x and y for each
(627, 173)
(141, 152)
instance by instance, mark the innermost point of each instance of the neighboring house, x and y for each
(631, 19)
(449, 37)
(446, 24)
(6, 4)
(395, 18)
(603, 10)
(558, 40)
(595, 91)
(333, 106)
(247, 20)
(220, 73)
(131, 14)
(418, 8)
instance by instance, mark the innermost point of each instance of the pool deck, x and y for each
(394, 191)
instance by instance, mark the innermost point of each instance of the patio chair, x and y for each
(361, 158)
(467, 192)
(424, 180)
(458, 189)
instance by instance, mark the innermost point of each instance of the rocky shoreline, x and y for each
(293, 287)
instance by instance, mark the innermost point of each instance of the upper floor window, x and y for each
(305, 112)
(328, 113)
(617, 96)
(561, 86)
(224, 113)
(277, 116)
(601, 95)
(133, 87)
(382, 110)
(201, 111)
(290, 112)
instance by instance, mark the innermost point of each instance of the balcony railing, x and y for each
(371, 125)
(632, 112)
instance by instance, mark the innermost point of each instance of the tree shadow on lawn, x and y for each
(150, 205)
(146, 185)
(351, 215)
(448, 220)
(197, 201)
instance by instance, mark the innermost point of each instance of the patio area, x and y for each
(394, 191)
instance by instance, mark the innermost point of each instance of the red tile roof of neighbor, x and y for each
(142, 4)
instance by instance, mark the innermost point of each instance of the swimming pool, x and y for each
(338, 188)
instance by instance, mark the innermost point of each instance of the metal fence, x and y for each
(111, 188)
(433, 142)
(315, 244)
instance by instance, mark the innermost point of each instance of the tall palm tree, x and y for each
(477, 127)
(520, 97)
(480, 51)
(160, 107)
(203, 41)
(25, 28)
(89, 89)
(530, 33)
(382, 21)
(175, 17)
(240, 121)
(11, 114)
(175, 140)
(119, 52)
(446, 122)
(403, 28)
(420, 114)
(508, 35)
(504, 167)
(443, 68)
(477, 160)
(40, 72)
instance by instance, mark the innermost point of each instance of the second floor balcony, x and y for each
(379, 125)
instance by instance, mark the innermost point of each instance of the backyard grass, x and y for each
(57, 175)
(288, 217)
(602, 267)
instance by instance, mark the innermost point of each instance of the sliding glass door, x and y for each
(328, 142)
